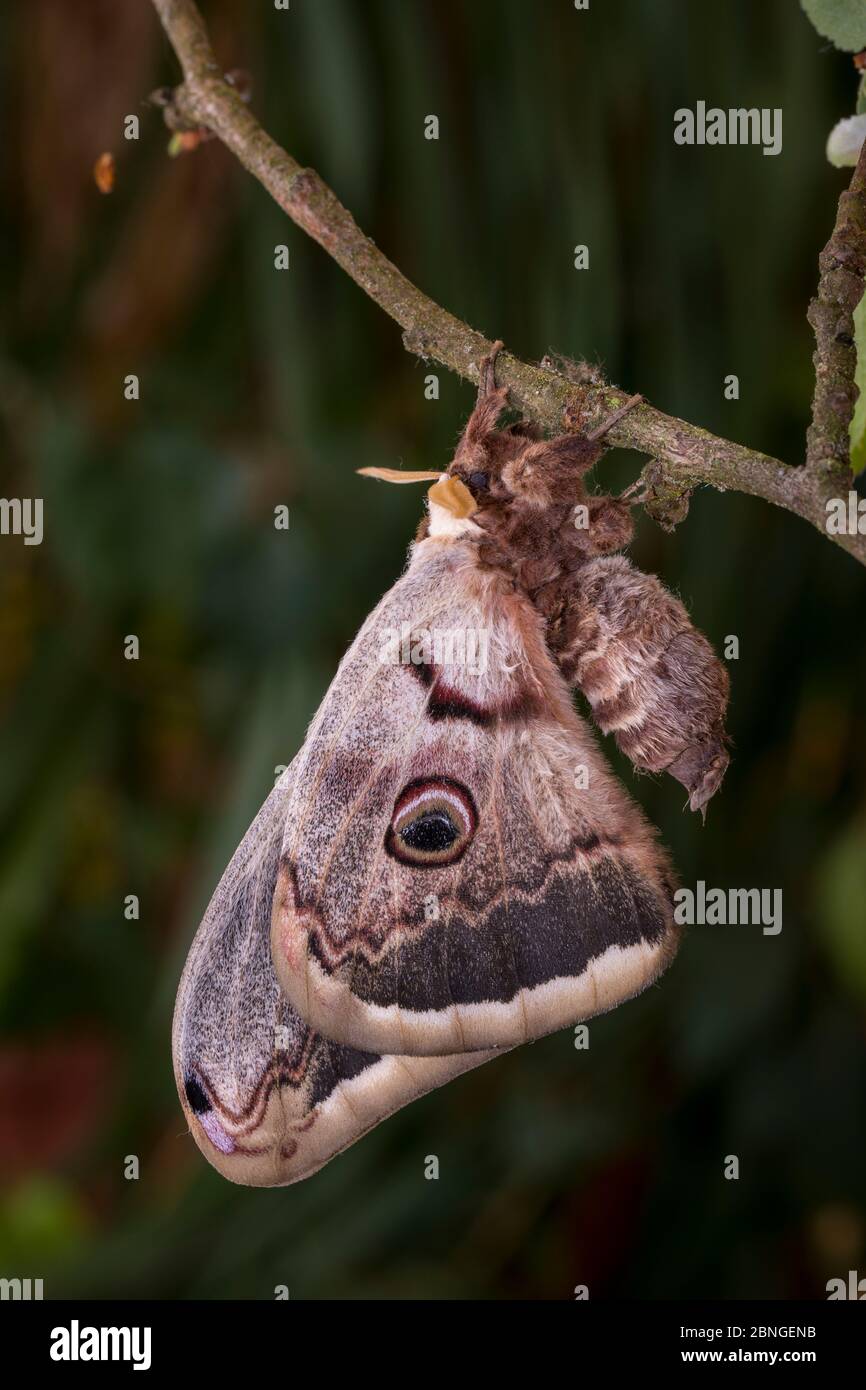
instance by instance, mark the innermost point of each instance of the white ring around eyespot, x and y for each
(438, 793)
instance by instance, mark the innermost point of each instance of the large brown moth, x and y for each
(449, 866)
(460, 870)
(267, 1100)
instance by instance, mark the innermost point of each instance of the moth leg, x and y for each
(546, 470)
(601, 430)
(487, 373)
(651, 679)
(490, 402)
(636, 493)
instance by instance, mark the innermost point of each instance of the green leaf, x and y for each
(857, 427)
(861, 96)
(843, 22)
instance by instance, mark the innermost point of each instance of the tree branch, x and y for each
(842, 265)
(682, 455)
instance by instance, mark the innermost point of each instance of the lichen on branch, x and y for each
(842, 266)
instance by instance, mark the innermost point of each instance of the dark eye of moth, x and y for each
(433, 822)
(478, 482)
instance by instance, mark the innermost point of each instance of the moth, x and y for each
(449, 868)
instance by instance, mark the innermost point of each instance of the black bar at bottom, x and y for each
(221, 1339)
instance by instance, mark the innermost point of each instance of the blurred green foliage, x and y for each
(258, 388)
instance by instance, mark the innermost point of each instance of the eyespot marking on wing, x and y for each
(433, 822)
(204, 1113)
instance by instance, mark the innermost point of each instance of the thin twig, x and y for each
(686, 454)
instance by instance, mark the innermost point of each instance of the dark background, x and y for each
(558, 1167)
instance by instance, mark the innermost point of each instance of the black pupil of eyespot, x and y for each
(195, 1095)
(478, 481)
(432, 831)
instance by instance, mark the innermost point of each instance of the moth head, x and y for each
(451, 506)
(433, 822)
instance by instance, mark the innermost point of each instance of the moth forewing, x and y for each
(454, 782)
